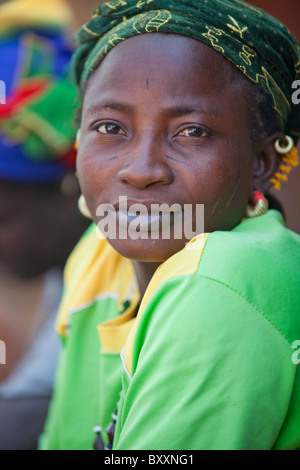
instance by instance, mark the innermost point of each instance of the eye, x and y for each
(193, 131)
(110, 128)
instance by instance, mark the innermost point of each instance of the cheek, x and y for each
(85, 167)
(223, 186)
(87, 170)
(95, 175)
(208, 180)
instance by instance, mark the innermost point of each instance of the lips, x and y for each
(144, 215)
(125, 204)
(152, 222)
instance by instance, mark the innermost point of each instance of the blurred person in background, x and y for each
(39, 218)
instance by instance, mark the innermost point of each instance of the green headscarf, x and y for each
(256, 43)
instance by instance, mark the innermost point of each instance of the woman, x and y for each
(196, 113)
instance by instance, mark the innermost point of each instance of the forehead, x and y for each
(171, 61)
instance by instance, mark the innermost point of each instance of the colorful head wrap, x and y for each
(256, 43)
(36, 117)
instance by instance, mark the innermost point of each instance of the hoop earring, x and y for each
(83, 208)
(260, 206)
(284, 150)
(289, 159)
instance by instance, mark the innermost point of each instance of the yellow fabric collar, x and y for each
(95, 271)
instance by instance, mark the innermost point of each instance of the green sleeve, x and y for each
(50, 437)
(209, 372)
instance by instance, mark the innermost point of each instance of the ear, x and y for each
(266, 162)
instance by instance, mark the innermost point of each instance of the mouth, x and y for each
(143, 217)
(126, 204)
(148, 222)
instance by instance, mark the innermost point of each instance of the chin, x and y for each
(150, 251)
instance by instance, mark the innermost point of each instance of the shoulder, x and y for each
(227, 282)
(259, 260)
(260, 243)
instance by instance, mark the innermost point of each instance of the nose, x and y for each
(145, 163)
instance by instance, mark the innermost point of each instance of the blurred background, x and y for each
(39, 218)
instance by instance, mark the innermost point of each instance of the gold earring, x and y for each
(289, 159)
(287, 148)
(83, 208)
(260, 207)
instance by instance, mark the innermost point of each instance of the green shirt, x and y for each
(209, 361)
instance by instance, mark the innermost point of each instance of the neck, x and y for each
(144, 273)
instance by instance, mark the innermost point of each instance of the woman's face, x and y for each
(165, 121)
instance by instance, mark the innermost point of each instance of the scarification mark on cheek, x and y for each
(216, 205)
(112, 158)
(233, 193)
(172, 158)
(178, 161)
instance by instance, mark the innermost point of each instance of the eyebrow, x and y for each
(172, 110)
(95, 108)
(182, 110)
